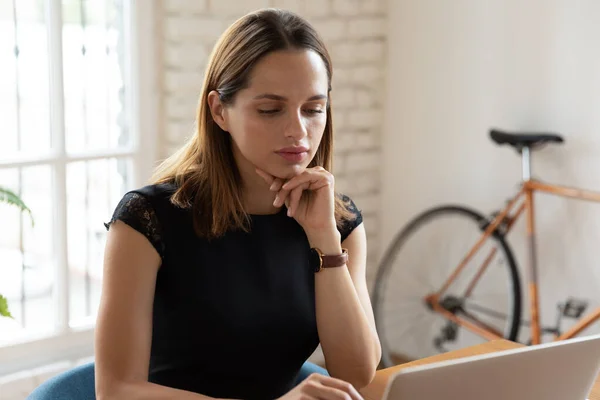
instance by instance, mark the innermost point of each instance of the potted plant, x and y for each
(12, 199)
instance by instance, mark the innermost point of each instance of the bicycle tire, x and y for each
(385, 266)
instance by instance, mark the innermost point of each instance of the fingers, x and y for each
(276, 185)
(290, 192)
(319, 391)
(341, 385)
(285, 197)
(281, 198)
(307, 181)
(315, 179)
(325, 387)
(273, 182)
(294, 197)
(267, 177)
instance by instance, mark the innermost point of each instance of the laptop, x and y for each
(563, 370)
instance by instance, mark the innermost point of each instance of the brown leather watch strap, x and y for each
(332, 261)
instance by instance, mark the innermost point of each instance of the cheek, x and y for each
(252, 135)
(316, 127)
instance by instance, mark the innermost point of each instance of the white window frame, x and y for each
(141, 72)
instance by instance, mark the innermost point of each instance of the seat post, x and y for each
(526, 160)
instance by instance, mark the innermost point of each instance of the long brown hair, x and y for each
(204, 170)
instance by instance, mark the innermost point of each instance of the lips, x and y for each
(295, 149)
(293, 154)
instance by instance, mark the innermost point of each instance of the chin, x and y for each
(287, 171)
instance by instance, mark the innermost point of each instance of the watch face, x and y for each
(315, 260)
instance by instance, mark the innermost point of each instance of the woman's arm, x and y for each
(344, 314)
(124, 327)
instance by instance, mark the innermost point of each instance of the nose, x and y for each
(295, 127)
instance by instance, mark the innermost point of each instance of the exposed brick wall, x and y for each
(355, 33)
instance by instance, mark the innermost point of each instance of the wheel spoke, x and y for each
(430, 251)
(490, 312)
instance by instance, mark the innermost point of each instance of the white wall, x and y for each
(457, 68)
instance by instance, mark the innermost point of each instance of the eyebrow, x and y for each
(272, 96)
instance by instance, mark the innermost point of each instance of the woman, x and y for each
(212, 284)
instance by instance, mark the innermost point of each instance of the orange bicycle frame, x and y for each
(525, 201)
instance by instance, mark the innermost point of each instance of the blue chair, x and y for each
(76, 383)
(79, 384)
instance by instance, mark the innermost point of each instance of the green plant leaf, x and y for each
(11, 198)
(4, 307)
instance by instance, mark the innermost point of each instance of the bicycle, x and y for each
(470, 303)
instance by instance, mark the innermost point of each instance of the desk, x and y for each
(375, 390)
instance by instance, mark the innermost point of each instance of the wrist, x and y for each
(329, 242)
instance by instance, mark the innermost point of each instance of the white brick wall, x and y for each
(235, 8)
(185, 6)
(355, 33)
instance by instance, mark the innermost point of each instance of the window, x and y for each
(70, 146)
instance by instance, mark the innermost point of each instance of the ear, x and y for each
(217, 110)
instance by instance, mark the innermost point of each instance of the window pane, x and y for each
(93, 190)
(24, 104)
(27, 270)
(93, 57)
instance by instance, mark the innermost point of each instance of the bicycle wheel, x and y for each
(419, 261)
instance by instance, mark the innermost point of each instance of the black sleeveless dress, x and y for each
(233, 317)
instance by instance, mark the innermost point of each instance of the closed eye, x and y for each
(272, 111)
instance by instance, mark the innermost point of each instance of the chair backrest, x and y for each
(75, 384)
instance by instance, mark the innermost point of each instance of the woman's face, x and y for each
(277, 122)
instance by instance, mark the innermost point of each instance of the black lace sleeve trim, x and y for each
(136, 211)
(349, 225)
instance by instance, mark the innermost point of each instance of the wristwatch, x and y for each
(318, 260)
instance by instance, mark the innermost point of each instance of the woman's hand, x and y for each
(309, 198)
(321, 387)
